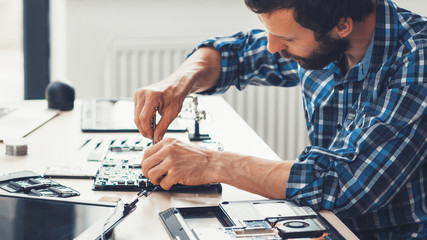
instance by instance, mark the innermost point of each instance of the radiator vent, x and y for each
(276, 114)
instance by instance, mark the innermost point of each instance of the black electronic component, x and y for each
(62, 191)
(302, 228)
(27, 185)
(30, 183)
(42, 193)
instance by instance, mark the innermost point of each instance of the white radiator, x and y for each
(276, 114)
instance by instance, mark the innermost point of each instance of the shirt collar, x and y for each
(359, 71)
(383, 43)
(364, 64)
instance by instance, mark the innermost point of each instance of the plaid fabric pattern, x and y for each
(367, 127)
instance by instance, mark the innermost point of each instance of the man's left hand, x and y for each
(171, 162)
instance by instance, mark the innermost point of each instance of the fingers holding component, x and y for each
(157, 173)
(146, 104)
(139, 103)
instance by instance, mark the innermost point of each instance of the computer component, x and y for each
(75, 172)
(17, 176)
(261, 220)
(120, 170)
(36, 186)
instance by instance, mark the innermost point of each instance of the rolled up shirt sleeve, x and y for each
(245, 60)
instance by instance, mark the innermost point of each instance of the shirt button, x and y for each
(339, 87)
(339, 126)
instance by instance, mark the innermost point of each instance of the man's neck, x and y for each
(359, 40)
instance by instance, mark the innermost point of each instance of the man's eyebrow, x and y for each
(284, 38)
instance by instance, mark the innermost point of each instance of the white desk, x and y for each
(57, 144)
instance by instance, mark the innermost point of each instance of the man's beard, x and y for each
(329, 50)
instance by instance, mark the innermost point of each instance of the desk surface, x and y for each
(57, 144)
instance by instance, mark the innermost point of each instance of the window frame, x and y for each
(36, 44)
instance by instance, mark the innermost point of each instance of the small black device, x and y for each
(260, 220)
(60, 95)
(25, 217)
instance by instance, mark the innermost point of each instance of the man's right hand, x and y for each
(161, 96)
(198, 73)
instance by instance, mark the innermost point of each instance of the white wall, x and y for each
(91, 25)
(83, 29)
(417, 6)
(11, 54)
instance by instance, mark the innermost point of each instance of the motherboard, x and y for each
(120, 170)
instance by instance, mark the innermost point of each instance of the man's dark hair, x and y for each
(319, 16)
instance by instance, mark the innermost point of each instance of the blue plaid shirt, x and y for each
(367, 127)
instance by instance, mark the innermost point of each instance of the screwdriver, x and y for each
(153, 125)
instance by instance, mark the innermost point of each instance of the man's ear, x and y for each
(343, 28)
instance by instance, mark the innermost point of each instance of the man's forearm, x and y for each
(264, 177)
(200, 72)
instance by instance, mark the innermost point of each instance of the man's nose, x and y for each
(274, 44)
